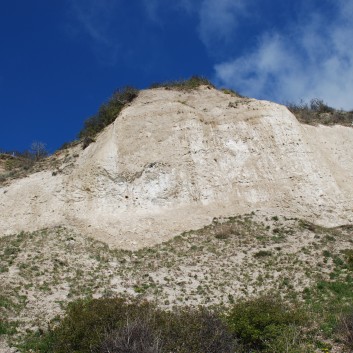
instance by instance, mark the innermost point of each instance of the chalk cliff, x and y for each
(173, 160)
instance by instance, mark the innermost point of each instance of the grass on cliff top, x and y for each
(184, 84)
(317, 112)
(108, 112)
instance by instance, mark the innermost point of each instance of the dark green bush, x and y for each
(345, 328)
(265, 324)
(135, 336)
(196, 330)
(186, 84)
(87, 323)
(263, 253)
(116, 325)
(108, 112)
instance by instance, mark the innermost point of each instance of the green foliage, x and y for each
(263, 324)
(108, 112)
(184, 85)
(117, 325)
(182, 331)
(196, 330)
(5, 302)
(7, 328)
(331, 300)
(87, 322)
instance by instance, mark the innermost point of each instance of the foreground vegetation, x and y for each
(119, 325)
(221, 276)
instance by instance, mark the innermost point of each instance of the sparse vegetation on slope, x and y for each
(184, 85)
(14, 164)
(231, 92)
(317, 112)
(218, 265)
(108, 112)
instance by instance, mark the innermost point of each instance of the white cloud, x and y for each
(309, 58)
(216, 19)
(313, 58)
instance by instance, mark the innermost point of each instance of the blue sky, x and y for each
(61, 59)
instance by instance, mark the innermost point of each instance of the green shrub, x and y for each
(87, 322)
(7, 328)
(263, 253)
(348, 258)
(135, 336)
(108, 112)
(318, 112)
(264, 324)
(196, 330)
(116, 325)
(186, 84)
(345, 328)
(183, 331)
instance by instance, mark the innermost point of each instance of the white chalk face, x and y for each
(173, 160)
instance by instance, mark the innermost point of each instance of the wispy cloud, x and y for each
(219, 19)
(313, 58)
(94, 19)
(216, 19)
(155, 9)
(304, 57)
(152, 9)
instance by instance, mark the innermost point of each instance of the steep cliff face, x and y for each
(173, 160)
